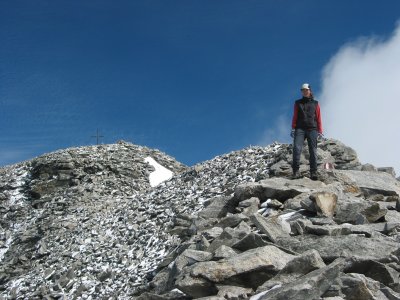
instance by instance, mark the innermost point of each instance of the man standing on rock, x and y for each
(306, 124)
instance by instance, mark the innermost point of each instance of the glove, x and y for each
(320, 136)
(292, 133)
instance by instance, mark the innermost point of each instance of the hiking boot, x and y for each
(296, 175)
(314, 175)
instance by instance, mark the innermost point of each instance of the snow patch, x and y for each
(161, 173)
(17, 197)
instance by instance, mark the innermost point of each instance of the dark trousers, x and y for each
(299, 136)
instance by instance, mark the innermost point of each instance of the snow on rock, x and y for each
(160, 174)
(259, 295)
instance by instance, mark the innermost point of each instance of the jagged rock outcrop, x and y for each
(89, 225)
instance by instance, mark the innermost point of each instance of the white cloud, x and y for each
(360, 99)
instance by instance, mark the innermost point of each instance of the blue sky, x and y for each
(194, 79)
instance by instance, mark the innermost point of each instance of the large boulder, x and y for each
(195, 287)
(250, 241)
(230, 236)
(264, 261)
(358, 286)
(354, 210)
(310, 286)
(344, 157)
(218, 207)
(276, 188)
(373, 182)
(377, 248)
(375, 270)
(297, 267)
(271, 226)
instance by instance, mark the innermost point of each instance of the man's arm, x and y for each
(319, 119)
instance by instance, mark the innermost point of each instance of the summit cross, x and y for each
(97, 136)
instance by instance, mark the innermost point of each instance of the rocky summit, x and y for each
(89, 223)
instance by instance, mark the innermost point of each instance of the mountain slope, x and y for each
(86, 222)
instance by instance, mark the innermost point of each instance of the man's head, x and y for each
(306, 90)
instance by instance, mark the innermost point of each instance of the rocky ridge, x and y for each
(221, 229)
(276, 238)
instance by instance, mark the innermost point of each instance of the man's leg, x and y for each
(298, 142)
(312, 136)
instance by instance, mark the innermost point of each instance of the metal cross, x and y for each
(97, 136)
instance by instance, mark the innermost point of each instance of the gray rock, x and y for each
(201, 223)
(374, 213)
(376, 197)
(386, 228)
(233, 292)
(373, 182)
(272, 227)
(350, 208)
(276, 188)
(358, 286)
(295, 203)
(303, 264)
(232, 220)
(105, 275)
(331, 230)
(172, 295)
(211, 298)
(369, 167)
(254, 201)
(250, 241)
(229, 237)
(299, 226)
(322, 221)
(224, 252)
(195, 287)
(188, 258)
(344, 157)
(219, 207)
(308, 205)
(367, 230)
(297, 267)
(249, 206)
(310, 286)
(281, 168)
(377, 248)
(375, 270)
(196, 255)
(389, 170)
(211, 234)
(392, 216)
(267, 259)
(163, 280)
(274, 204)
